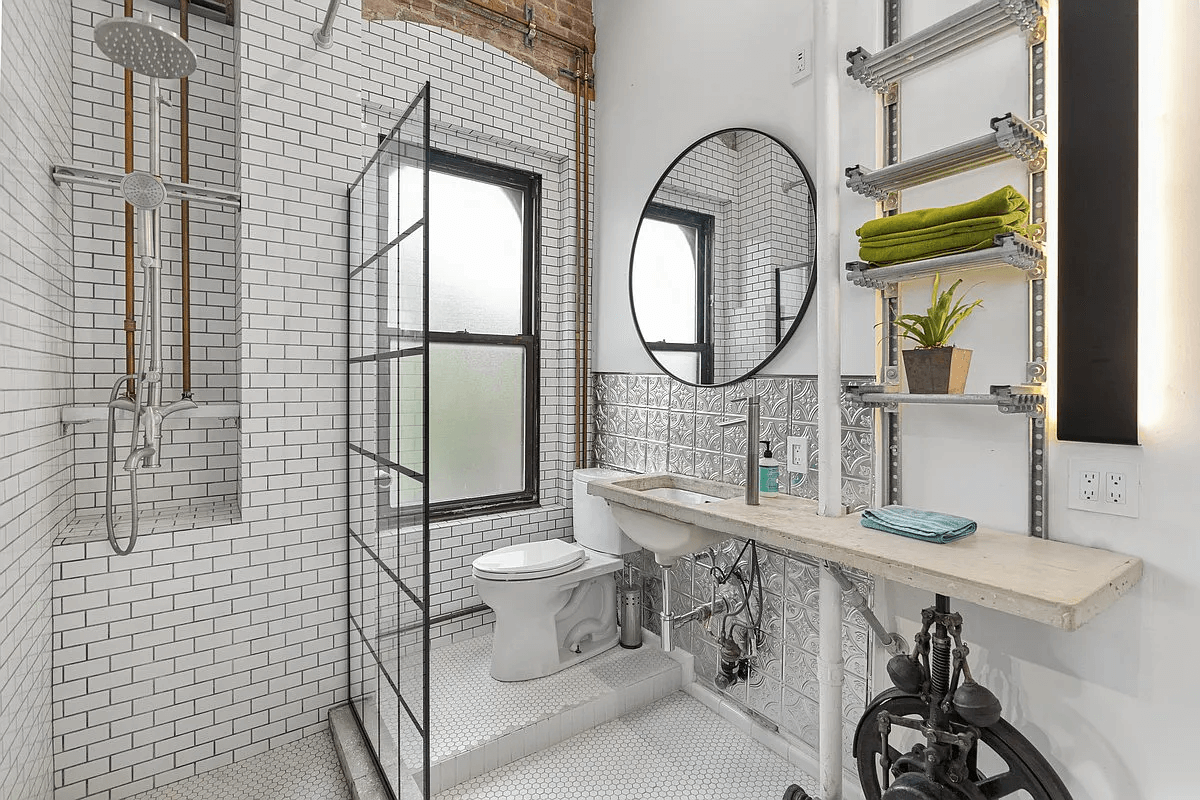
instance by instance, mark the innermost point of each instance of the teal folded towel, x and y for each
(916, 523)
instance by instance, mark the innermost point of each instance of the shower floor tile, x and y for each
(306, 769)
(675, 749)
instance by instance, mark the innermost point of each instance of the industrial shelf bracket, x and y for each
(1007, 399)
(1009, 249)
(943, 39)
(1011, 137)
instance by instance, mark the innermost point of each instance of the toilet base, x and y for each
(510, 673)
(540, 624)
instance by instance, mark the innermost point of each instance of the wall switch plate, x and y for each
(797, 455)
(802, 62)
(1104, 486)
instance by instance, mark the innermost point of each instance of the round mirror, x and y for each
(724, 259)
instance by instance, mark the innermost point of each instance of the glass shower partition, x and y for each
(388, 433)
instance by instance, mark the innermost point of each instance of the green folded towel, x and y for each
(947, 244)
(1016, 218)
(999, 203)
(916, 523)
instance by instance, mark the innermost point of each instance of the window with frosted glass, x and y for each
(670, 284)
(483, 353)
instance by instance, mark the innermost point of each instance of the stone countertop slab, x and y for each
(1055, 583)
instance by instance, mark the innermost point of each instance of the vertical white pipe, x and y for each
(828, 70)
(829, 278)
(831, 676)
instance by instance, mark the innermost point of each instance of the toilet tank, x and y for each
(594, 525)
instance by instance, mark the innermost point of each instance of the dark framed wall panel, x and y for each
(1097, 225)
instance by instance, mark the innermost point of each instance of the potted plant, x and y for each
(934, 366)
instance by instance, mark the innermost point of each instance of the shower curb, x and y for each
(362, 776)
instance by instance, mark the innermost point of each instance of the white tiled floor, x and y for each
(675, 749)
(306, 769)
(471, 708)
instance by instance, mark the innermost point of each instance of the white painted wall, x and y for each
(673, 71)
(1108, 704)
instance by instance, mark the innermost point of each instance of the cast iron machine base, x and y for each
(958, 745)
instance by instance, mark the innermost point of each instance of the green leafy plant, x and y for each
(937, 324)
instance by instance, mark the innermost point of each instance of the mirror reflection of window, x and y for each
(671, 278)
(753, 252)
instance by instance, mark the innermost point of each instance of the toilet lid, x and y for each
(530, 560)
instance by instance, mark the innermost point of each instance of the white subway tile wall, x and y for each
(213, 644)
(488, 105)
(200, 457)
(35, 369)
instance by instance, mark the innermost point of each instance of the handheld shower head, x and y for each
(146, 48)
(143, 190)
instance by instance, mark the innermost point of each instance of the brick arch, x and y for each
(563, 27)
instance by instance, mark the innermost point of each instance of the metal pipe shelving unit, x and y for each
(939, 41)
(1009, 250)
(1011, 137)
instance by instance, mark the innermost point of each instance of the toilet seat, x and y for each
(528, 561)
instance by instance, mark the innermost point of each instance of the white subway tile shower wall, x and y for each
(651, 423)
(35, 368)
(213, 644)
(199, 455)
(491, 106)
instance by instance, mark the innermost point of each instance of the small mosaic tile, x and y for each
(306, 769)
(675, 749)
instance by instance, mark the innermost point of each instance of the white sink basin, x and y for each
(647, 508)
(682, 495)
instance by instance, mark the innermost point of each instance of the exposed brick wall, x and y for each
(570, 20)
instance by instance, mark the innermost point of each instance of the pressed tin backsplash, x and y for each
(650, 423)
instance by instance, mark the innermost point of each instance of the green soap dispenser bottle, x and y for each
(768, 472)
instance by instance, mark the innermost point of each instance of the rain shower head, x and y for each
(143, 191)
(146, 48)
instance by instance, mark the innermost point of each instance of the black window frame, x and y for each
(704, 225)
(530, 183)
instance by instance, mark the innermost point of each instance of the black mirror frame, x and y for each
(812, 285)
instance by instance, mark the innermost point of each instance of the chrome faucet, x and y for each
(751, 423)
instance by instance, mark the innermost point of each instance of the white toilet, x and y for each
(555, 602)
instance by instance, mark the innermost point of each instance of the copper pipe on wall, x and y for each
(130, 320)
(585, 201)
(580, 301)
(185, 229)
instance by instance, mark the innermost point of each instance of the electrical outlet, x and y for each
(1114, 484)
(802, 62)
(797, 455)
(1089, 485)
(1105, 487)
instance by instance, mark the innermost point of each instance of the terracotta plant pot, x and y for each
(937, 370)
